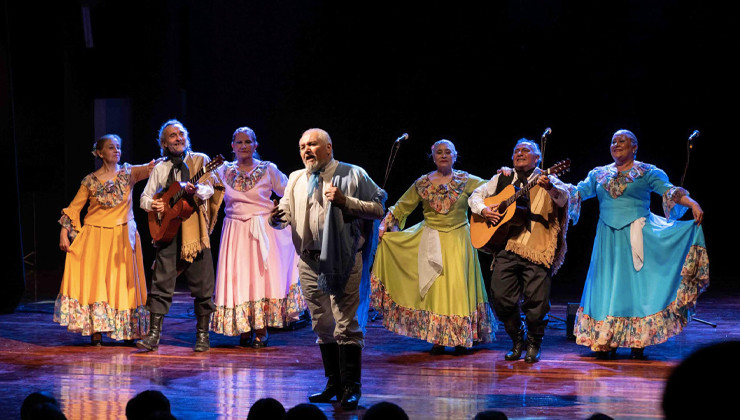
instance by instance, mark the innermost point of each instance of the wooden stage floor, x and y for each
(96, 382)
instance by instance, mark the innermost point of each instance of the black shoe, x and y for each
(515, 328)
(516, 349)
(245, 339)
(96, 339)
(351, 397)
(533, 350)
(150, 342)
(333, 388)
(637, 354)
(606, 355)
(437, 350)
(202, 337)
(462, 351)
(259, 344)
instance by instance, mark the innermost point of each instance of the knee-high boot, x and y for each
(515, 328)
(333, 388)
(535, 334)
(150, 342)
(350, 363)
(202, 338)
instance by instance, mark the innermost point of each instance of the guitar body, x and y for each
(485, 235)
(178, 206)
(164, 226)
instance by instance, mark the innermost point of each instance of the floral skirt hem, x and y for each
(119, 324)
(446, 330)
(640, 332)
(259, 314)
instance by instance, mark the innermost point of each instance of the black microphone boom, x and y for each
(392, 157)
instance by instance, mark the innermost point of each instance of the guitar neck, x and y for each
(198, 175)
(193, 180)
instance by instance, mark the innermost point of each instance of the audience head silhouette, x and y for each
(693, 389)
(41, 405)
(266, 409)
(148, 405)
(385, 411)
(305, 412)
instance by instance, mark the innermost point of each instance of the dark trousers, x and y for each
(199, 275)
(516, 278)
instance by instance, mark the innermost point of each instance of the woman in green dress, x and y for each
(426, 280)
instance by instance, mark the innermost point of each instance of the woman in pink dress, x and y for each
(257, 279)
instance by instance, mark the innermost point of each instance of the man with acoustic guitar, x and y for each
(531, 250)
(189, 251)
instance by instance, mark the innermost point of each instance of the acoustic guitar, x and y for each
(178, 206)
(489, 236)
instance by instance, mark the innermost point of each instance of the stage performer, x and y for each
(257, 277)
(189, 253)
(646, 271)
(533, 252)
(104, 287)
(426, 280)
(334, 209)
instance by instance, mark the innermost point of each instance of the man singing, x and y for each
(333, 209)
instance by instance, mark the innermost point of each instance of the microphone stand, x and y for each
(543, 145)
(689, 146)
(392, 157)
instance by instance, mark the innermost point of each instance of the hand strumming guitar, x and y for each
(491, 214)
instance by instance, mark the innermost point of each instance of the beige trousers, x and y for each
(333, 318)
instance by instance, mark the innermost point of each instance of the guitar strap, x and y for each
(503, 181)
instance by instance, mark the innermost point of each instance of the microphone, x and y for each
(694, 135)
(404, 136)
(547, 132)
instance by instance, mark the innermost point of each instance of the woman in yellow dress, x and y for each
(104, 288)
(426, 280)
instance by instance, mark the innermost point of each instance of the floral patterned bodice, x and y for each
(445, 206)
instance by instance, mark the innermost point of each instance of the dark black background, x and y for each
(481, 74)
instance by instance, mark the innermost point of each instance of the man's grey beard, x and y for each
(314, 166)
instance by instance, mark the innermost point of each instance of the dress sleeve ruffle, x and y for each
(390, 223)
(574, 203)
(671, 208)
(70, 218)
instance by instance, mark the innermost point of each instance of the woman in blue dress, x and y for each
(646, 271)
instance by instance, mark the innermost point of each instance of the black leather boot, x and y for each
(533, 349)
(202, 338)
(330, 358)
(637, 353)
(518, 337)
(150, 342)
(350, 363)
